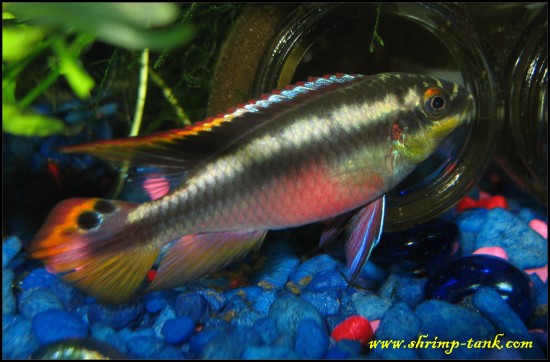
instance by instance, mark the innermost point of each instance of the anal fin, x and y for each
(194, 256)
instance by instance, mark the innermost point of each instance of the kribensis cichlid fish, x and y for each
(323, 150)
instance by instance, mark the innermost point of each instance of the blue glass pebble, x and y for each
(460, 278)
(525, 247)
(37, 300)
(192, 305)
(57, 325)
(8, 299)
(419, 248)
(178, 330)
(449, 322)
(311, 340)
(288, 311)
(492, 306)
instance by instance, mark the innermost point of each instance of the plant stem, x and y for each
(136, 123)
(142, 93)
(169, 95)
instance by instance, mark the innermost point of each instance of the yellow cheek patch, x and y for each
(415, 148)
(443, 127)
(419, 146)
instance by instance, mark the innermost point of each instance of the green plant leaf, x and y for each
(80, 81)
(17, 123)
(18, 42)
(121, 24)
(7, 16)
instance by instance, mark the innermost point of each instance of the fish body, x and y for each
(313, 152)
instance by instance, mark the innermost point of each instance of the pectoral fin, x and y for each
(365, 229)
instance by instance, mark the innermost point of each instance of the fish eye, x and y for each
(435, 102)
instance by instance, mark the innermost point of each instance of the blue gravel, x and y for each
(327, 303)
(525, 247)
(288, 310)
(370, 305)
(305, 271)
(8, 299)
(266, 329)
(178, 330)
(155, 301)
(492, 306)
(344, 349)
(10, 248)
(280, 264)
(107, 334)
(409, 327)
(117, 317)
(230, 343)
(165, 315)
(57, 325)
(311, 340)
(450, 322)
(37, 300)
(410, 290)
(268, 352)
(192, 305)
(18, 341)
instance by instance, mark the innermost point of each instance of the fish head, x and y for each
(439, 107)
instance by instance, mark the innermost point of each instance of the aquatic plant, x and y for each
(32, 31)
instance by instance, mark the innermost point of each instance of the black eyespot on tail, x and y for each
(88, 220)
(104, 207)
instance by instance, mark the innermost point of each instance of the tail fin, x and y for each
(91, 244)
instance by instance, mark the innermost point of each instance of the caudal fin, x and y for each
(90, 243)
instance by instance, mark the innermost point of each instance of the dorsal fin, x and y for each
(177, 150)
